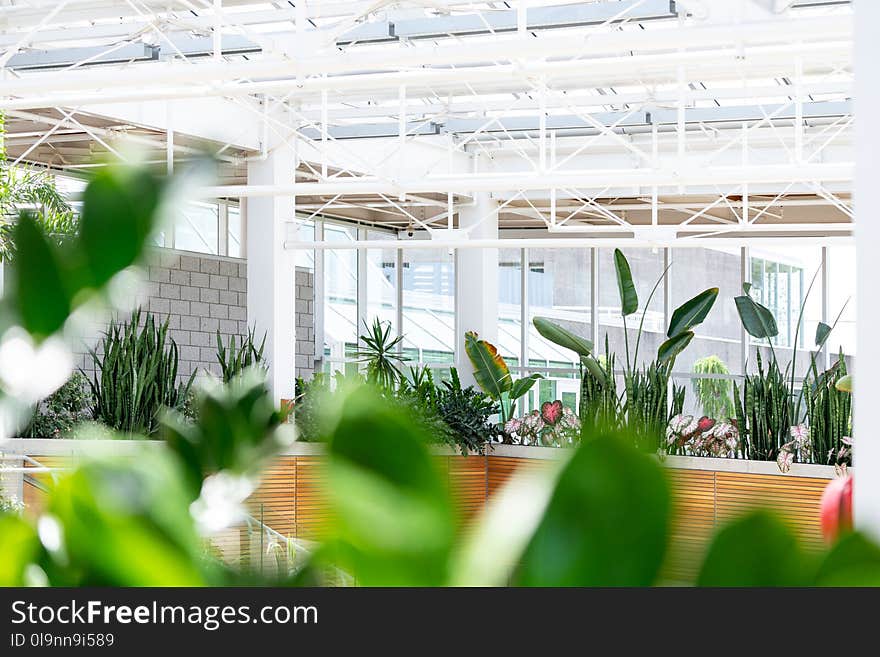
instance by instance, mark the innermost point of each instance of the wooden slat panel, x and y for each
(502, 468)
(693, 521)
(795, 499)
(274, 502)
(311, 506)
(467, 484)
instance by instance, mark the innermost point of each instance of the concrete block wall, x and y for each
(201, 294)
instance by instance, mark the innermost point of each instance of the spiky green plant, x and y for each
(136, 375)
(599, 404)
(713, 394)
(234, 360)
(765, 406)
(829, 411)
(380, 355)
(647, 407)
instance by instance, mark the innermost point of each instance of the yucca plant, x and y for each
(380, 356)
(136, 375)
(234, 360)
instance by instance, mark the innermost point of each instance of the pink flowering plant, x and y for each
(553, 426)
(690, 436)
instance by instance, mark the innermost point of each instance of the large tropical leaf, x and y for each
(692, 312)
(674, 346)
(490, 370)
(521, 386)
(629, 298)
(563, 337)
(757, 320)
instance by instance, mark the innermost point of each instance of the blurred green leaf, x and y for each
(692, 312)
(606, 522)
(238, 429)
(629, 298)
(43, 301)
(120, 211)
(19, 547)
(756, 550)
(392, 519)
(125, 523)
(563, 337)
(853, 561)
(674, 346)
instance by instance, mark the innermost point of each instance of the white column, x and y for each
(476, 279)
(866, 460)
(271, 272)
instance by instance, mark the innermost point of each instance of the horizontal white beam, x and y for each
(585, 179)
(569, 243)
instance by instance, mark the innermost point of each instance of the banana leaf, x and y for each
(629, 298)
(563, 337)
(692, 312)
(490, 370)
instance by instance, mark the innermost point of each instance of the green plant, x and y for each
(31, 191)
(309, 396)
(136, 375)
(599, 404)
(233, 361)
(467, 411)
(829, 411)
(380, 355)
(768, 406)
(59, 414)
(493, 375)
(714, 394)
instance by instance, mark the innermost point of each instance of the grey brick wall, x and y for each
(201, 294)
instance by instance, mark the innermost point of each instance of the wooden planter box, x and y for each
(707, 492)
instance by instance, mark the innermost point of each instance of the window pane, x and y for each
(382, 281)
(429, 305)
(842, 292)
(340, 297)
(509, 300)
(195, 228)
(233, 232)
(559, 289)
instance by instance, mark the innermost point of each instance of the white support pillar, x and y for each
(866, 458)
(271, 272)
(476, 279)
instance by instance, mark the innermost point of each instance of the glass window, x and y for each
(196, 228)
(559, 289)
(382, 281)
(429, 305)
(340, 297)
(509, 305)
(233, 232)
(842, 296)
